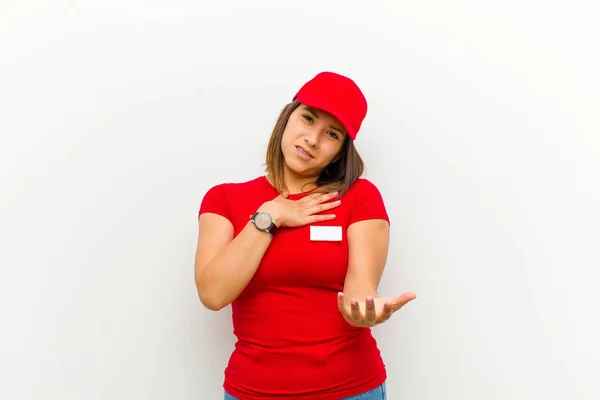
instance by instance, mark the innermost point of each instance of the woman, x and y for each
(298, 254)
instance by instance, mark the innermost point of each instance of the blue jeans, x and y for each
(379, 393)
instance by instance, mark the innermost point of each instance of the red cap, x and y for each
(339, 96)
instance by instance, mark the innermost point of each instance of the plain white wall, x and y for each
(482, 134)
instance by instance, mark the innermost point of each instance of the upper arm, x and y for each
(215, 232)
(368, 244)
(215, 229)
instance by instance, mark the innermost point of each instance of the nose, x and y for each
(311, 137)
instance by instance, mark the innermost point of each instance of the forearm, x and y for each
(359, 285)
(229, 272)
(368, 244)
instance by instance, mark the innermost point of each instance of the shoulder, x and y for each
(219, 198)
(367, 202)
(363, 187)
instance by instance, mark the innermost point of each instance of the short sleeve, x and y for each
(215, 201)
(368, 203)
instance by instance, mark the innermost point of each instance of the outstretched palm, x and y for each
(372, 311)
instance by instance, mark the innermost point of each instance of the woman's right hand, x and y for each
(305, 211)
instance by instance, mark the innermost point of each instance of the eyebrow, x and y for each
(314, 113)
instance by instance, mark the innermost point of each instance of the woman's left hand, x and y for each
(372, 311)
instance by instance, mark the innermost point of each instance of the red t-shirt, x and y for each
(292, 341)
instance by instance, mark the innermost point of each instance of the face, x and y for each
(312, 139)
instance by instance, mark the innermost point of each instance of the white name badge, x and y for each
(326, 233)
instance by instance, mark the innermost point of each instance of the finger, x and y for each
(329, 196)
(331, 204)
(317, 198)
(342, 305)
(403, 299)
(388, 310)
(285, 193)
(320, 218)
(355, 310)
(319, 208)
(370, 314)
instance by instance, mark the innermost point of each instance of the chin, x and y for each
(303, 172)
(295, 169)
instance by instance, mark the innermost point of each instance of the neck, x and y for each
(297, 184)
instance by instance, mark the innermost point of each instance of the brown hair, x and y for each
(339, 175)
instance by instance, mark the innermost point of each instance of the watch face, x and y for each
(262, 220)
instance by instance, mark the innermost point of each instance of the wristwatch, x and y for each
(264, 222)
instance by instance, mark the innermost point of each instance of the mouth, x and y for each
(305, 152)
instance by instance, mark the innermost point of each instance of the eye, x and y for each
(308, 117)
(333, 134)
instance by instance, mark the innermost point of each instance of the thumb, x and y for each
(404, 299)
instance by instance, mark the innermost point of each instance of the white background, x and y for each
(482, 134)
